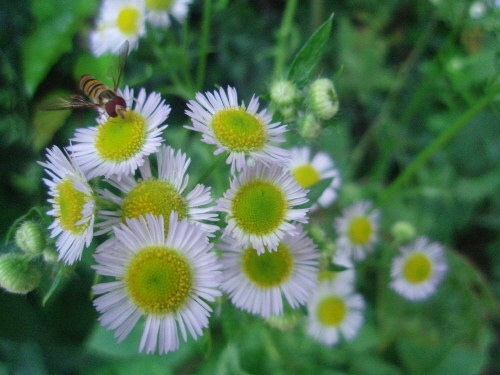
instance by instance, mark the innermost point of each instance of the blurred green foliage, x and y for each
(404, 71)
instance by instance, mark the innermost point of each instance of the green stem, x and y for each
(216, 163)
(205, 33)
(384, 113)
(437, 144)
(282, 47)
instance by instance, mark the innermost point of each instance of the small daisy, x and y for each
(73, 205)
(334, 310)
(158, 196)
(357, 230)
(166, 279)
(240, 131)
(118, 146)
(258, 283)
(259, 206)
(158, 11)
(309, 172)
(418, 271)
(119, 20)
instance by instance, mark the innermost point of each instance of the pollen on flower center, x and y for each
(417, 268)
(157, 197)
(360, 230)
(269, 269)
(239, 130)
(306, 175)
(158, 280)
(70, 203)
(259, 207)
(159, 5)
(331, 311)
(120, 139)
(127, 20)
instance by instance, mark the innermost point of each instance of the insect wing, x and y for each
(115, 70)
(74, 101)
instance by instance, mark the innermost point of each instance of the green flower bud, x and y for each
(283, 93)
(323, 98)
(31, 237)
(285, 322)
(317, 234)
(310, 127)
(403, 231)
(50, 255)
(19, 273)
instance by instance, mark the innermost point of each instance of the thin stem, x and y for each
(384, 113)
(205, 34)
(282, 47)
(216, 163)
(437, 144)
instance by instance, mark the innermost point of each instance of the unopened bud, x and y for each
(50, 255)
(19, 273)
(403, 231)
(323, 98)
(283, 93)
(310, 127)
(286, 321)
(31, 237)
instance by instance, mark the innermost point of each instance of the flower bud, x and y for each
(323, 98)
(310, 127)
(19, 273)
(50, 255)
(286, 321)
(403, 231)
(31, 237)
(283, 93)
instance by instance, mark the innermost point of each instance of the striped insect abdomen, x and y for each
(96, 90)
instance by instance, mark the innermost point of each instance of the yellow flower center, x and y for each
(155, 197)
(128, 20)
(71, 203)
(159, 5)
(159, 280)
(332, 311)
(418, 268)
(239, 130)
(119, 139)
(259, 207)
(269, 269)
(360, 230)
(306, 175)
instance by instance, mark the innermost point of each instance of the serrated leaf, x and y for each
(309, 56)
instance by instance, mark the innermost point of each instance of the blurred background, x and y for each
(406, 73)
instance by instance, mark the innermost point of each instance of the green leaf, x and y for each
(57, 22)
(309, 56)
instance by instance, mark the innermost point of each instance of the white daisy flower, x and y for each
(166, 279)
(119, 20)
(357, 230)
(309, 172)
(73, 205)
(258, 283)
(118, 146)
(259, 206)
(419, 270)
(334, 310)
(158, 196)
(158, 12)
(239, 130)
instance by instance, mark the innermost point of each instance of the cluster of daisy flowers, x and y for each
(159, 256)
(121, 20)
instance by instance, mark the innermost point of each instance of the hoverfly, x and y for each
(102, 96)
